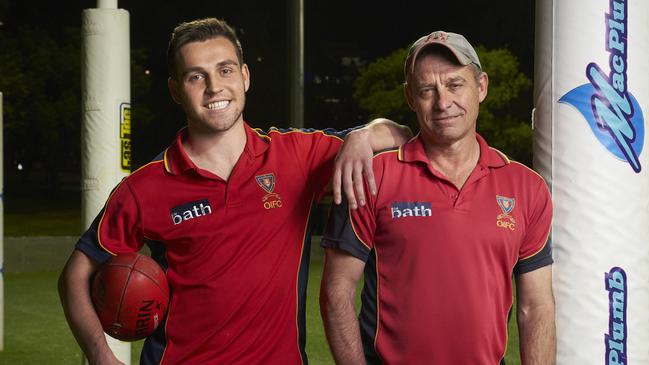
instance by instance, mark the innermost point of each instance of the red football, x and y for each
(130, 294)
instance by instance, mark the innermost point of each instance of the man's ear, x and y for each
(172, 84)
(408, 95)
(246, 77)
(483, 86)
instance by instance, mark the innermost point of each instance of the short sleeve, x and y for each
(116, 229)
(536, 249)
(317, 152)
(353, 230)
(340, 233)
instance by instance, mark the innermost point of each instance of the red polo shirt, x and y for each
(439, 260)
(234, 250)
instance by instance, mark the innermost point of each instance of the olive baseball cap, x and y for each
(456, 43)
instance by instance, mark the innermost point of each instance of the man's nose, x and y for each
(443, 101)
(213, 86)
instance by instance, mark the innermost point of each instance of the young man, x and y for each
(453, 219)
(225, 211)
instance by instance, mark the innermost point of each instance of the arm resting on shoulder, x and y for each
(535, 315)
(342, 272)
(74, 291)
(354, 160)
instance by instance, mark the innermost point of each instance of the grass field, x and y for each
(36, 332)
(35, 328)
(42, 216)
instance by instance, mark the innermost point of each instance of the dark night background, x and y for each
(339, 36)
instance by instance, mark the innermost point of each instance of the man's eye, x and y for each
(226, 71)
(195, 77)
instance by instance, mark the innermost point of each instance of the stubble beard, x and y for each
(218, 125)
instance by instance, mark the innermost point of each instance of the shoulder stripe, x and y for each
(530, 169)
(305, 234)
(349, 211)
(167, 165)
(124, 180)
(502, 155)
(145, 165)
(103, 214)
(547, 239)
(261, 133)
(284, 131)
(378, 303)
(389, 150)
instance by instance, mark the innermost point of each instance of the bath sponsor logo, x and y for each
(190, 210)
(615, 339)
(411, 209)
(612, 112)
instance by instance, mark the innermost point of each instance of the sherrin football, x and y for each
(130, 294)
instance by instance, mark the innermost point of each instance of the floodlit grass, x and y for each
(42, 216)
(35, 329)
(46, 224)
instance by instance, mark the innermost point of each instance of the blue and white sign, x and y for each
(591, 91)
(612, 112)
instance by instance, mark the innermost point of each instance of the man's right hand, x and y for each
(74, 291)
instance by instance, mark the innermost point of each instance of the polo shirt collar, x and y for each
(414, 151)
(176, 160)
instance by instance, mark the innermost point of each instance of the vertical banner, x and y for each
(106, 116)
(591, 97)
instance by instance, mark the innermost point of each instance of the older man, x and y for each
(452, 221)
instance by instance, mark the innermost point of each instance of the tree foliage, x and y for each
(40, 84)
(40, 80)
(504, 115)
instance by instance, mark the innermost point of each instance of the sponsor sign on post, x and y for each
(591, 96)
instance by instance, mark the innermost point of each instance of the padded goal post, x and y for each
(591, 95)
(106, 115)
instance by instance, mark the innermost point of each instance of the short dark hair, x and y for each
(198, 31)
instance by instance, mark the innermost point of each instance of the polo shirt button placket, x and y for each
(454, 197)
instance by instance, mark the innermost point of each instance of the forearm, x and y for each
(342, 329)
(74, 292)
(383, 133)
(340, 277)
(537, 333)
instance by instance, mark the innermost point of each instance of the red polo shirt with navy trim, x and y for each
(439, 261)
(236, 252)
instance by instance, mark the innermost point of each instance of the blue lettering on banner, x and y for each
(411, 209)
(615, 339)
(612, 112)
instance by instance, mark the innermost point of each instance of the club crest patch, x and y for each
(266, 181)
(505, 220)
(506, 204)
(271, 199)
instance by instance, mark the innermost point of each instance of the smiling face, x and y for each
(210, 84)
(446, 98)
